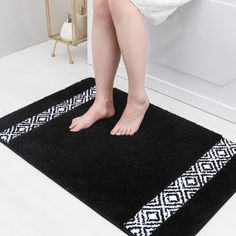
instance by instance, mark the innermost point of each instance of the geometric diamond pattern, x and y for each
(37, 120)
(171, 199)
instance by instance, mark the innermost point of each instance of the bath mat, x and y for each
(169, 178)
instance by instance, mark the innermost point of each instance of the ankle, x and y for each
(140, 98)
(104, 100)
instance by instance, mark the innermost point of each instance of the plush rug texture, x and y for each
(168, 179)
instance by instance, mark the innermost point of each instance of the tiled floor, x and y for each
(30, 202)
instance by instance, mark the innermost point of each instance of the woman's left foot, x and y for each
(132, 116)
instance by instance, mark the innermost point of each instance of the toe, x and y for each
(127, 131)
(74, 122)
(123, 131)
(114, 130)
(133, 130)
(119, 131)
(72, 125)
(76, 128)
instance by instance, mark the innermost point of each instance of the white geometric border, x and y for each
(171, 199)
(37, 120)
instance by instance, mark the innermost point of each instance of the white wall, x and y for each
(22, 24)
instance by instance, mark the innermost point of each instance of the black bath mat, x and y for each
(169, 178)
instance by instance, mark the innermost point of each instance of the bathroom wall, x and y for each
(23, 23)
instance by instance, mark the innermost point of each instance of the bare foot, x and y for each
(132, 116)
(97, 111)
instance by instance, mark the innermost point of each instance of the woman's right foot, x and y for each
(99, 110)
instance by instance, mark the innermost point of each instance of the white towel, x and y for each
(157, 11)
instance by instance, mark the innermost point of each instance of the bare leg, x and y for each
(131, 33)
(106, 57)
